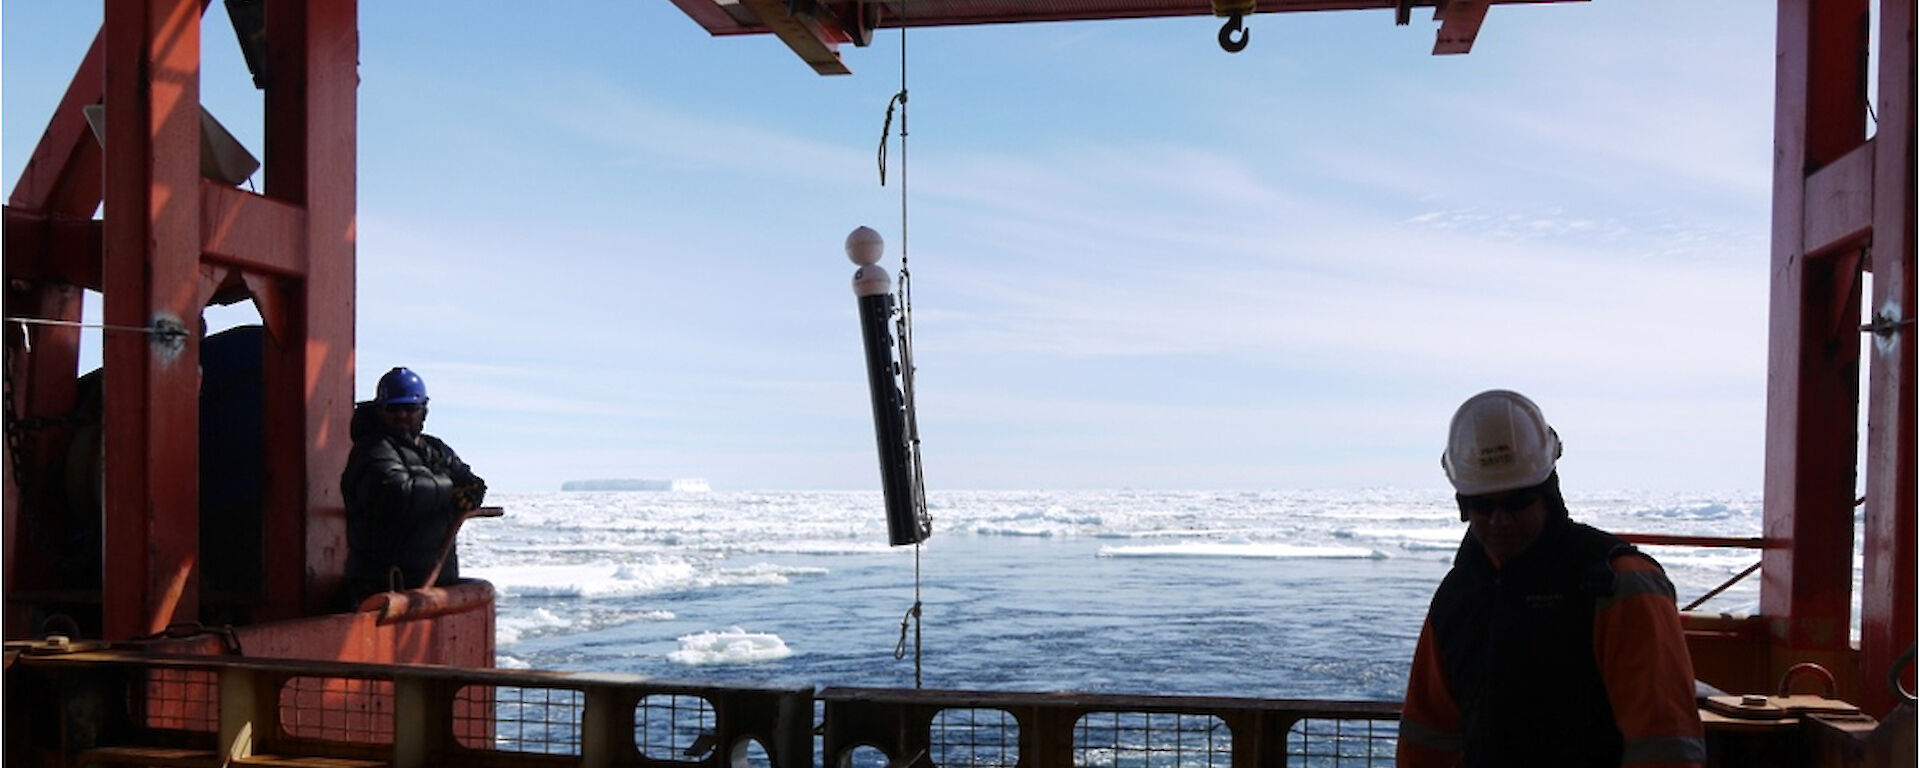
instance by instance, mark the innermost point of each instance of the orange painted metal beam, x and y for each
(238, 229)
(1813, 345)
(63, 175)
(723, 19)
(1889, 571)
(53, 249)
(310, 157)
(814, 37)
(1839, 202)
(815, 28)
(151, 277)
(1460, 22)
(252, 232)
(1664, 539)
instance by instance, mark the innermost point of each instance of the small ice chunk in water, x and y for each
(732, 645)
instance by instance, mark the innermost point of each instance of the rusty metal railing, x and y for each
(870, 727)
(1711, 542)
(203, 710)
(199, 709)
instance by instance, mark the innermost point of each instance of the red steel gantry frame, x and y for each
(1844, 205)
(168, 243)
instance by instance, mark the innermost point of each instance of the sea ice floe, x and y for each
(819, 547)
(759, 573)
(1242, 549)
(597, 579)
(508, 629)
(732, 645)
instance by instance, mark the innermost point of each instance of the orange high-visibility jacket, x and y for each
(1524, 701)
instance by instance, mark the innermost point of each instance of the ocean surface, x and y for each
(1288, 594)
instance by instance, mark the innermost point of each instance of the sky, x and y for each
(612, 244)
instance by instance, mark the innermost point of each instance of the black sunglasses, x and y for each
(1510, 501)
(404, 407)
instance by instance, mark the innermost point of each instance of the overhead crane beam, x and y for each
(814, 29)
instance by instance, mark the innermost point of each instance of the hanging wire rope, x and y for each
(912, 616)
(899, 100)
(903, 328)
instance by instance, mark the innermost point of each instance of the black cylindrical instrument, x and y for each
(906, 522)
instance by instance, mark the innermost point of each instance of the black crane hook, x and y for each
(1228, 41)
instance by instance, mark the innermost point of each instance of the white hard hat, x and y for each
(1498, 442)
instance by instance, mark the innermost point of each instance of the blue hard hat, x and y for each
(401, 386)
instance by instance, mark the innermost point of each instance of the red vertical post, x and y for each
(151, 278)
(61, 181)
(1887, 575)
(333, 81)
(42, 360)
(311, 146)
(1813, 344)
(284, 527)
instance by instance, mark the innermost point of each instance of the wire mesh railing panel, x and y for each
(1322, 743)
(543, 721)
(1151, 740)
(337, 709)
(674, 727)
(183, 699)
(472, 715)
(975, 738)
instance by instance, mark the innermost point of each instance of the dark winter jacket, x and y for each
(1517, 644)
(400, 506)
(1569, 654)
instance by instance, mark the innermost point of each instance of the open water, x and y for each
(1288, 594)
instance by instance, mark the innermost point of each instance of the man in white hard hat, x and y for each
(1550, 642)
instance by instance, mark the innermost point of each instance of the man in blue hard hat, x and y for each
(404, 490)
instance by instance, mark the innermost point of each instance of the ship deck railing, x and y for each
(118, 707)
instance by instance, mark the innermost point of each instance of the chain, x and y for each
(15, 442)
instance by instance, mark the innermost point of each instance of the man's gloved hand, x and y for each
(468, 497)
